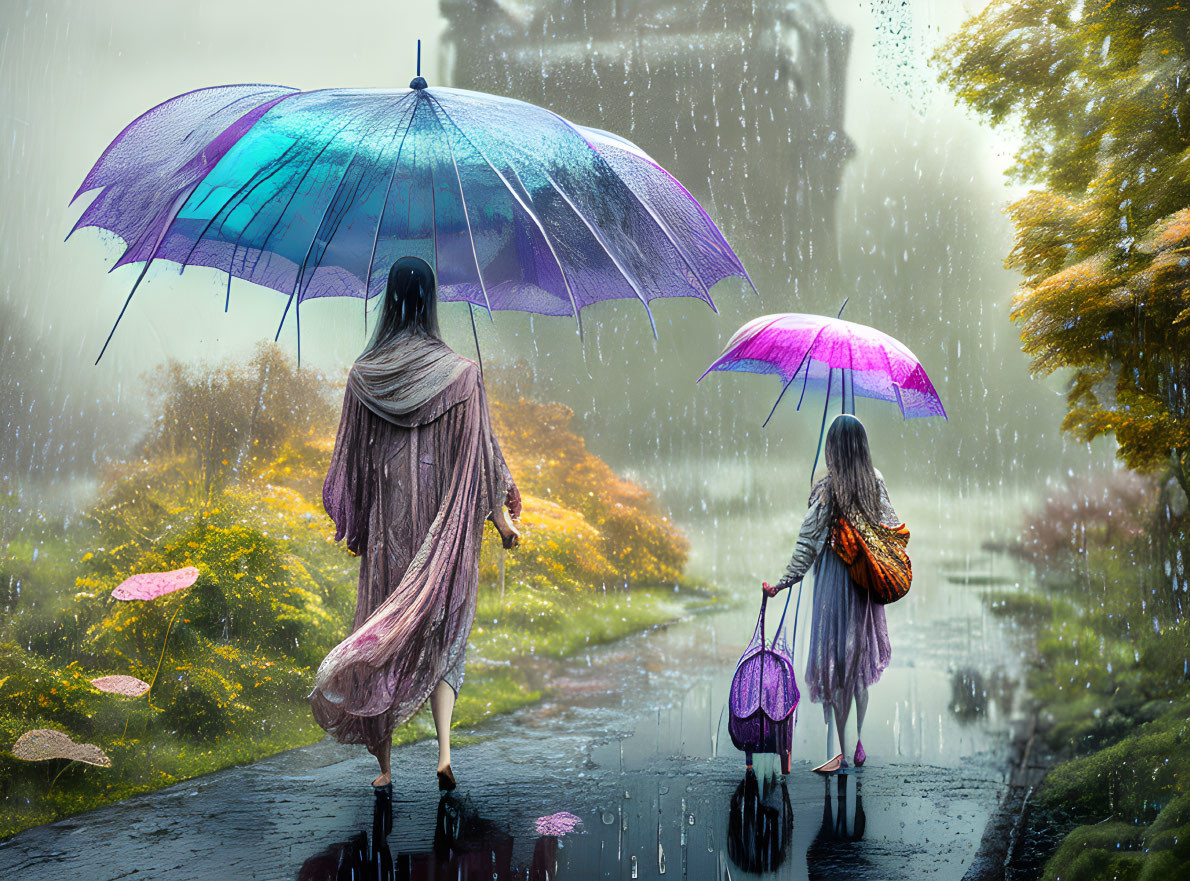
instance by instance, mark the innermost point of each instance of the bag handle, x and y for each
(785, 611)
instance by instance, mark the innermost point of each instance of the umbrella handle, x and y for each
(830, 375)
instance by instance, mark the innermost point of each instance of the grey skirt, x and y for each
(849, 646)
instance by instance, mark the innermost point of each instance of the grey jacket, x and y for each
(815, 532)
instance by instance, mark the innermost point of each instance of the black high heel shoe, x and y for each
(446, 780)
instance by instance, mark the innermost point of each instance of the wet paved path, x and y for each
(631, 739)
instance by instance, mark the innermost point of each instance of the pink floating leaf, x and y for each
(150, 585)
(128, 686)
(42, 744)
(558, 824)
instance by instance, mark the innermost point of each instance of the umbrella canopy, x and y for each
(315, 194)
(807, 350)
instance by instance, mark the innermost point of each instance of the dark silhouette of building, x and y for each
(742, 100)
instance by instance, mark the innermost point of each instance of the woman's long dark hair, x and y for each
(410, 303)
(851, 487)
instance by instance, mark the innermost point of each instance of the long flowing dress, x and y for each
(848, 646)
(415, 472)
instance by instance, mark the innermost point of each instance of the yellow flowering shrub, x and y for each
(558, 547)
(551, 462)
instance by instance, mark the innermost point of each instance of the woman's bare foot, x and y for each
(383, 751)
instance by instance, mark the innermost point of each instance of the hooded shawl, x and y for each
(415, 472)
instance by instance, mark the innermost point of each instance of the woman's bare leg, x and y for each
(841, 715)
(861, 710)
(383, 754)
(830, 730)
(442, 704)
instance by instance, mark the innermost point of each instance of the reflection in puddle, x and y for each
(843, 823)
(973, 694)
(760, 825)
(466, 847)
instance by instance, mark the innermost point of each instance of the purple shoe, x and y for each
(860, 755)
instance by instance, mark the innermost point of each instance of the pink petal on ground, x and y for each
(41, 744)
(129, 686)
(558, 824)
(150, 585)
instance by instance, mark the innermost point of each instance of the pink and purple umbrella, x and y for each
(842, 357)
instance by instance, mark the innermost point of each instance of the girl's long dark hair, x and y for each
(410, 303)
(851, 487)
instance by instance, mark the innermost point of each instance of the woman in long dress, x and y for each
(849, 646)
(415, 473)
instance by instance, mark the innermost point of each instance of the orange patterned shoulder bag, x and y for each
(875, 557)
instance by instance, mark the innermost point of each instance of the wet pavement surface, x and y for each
(632, 738)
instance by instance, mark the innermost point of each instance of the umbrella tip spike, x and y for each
(418, 82)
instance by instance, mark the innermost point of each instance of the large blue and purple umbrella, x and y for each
(315, 194)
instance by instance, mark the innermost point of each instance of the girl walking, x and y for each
(849, 646)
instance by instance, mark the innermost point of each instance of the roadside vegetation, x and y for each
(1110, 645)
(1094, 93)
(228, 480)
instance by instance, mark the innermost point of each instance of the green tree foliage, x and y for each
(1096, 91)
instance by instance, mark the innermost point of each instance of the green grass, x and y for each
(1108, 680)
(555, 622)
(536, 621)
(139, 766)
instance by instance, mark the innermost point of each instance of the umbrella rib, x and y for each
(787, 385)
(326, 211)
(525, 206)
(463, 198)
(251, 186)
(896, 387)
(806, 357)
(279, 166)
(339, 220)
(293, 195)
(181, 200)
(822, 428)
(664, 227)
(236, 246)
(595, 234)
(297, 284)
(849, 377)
(548, 242)
(732, 345)
(384, 209)
(434, 222)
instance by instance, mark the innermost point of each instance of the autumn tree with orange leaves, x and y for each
(1098, 92)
